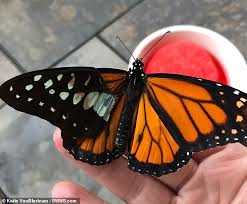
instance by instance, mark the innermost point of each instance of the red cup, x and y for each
(222, 61)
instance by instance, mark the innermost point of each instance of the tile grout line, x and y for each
(2, 105)
(12, 60)
(2, 194)
(96, 34)
(22, 69)
(101, 39)
(17, 65)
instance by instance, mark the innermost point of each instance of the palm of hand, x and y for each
(213, 176)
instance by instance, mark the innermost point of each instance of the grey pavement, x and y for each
(7, 70)
(48, 30)
(42, 34)
(227, 17)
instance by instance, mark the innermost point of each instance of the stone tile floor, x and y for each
(41, 34)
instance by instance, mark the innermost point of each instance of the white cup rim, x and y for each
(236, 68)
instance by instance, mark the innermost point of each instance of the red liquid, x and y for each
(186, 58)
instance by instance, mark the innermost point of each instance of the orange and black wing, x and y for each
(178, 115)
(101, 149)
(78, 100)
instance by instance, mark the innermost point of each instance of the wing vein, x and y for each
(153, 140)
(167, 141)
(190, 117)
(170, 125)
(179, 96)
(208, 115)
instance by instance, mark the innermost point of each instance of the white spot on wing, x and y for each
(217, 137)
(64, 95)
(17, 96)
(51, 91)
(59, 77)
(10, 88)
(78, 97)
(48, 84)
(52, 109)
(29, 87)
(243, 99)
(71, 82)
(218, 84)
(29, 99)
(41, 103)
(37, 77)
(90, 99)
(236, 92)
(87, 81)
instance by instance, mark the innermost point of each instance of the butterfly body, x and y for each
(161, 118)
(133, 92)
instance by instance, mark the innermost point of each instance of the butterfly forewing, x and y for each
(203, 113)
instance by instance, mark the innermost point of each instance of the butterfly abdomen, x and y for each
(124, 129)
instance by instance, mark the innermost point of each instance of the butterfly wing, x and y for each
(178, 115)
(101, 149)
(153, 150)
(80, 101)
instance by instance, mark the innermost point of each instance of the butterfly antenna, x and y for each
(125, 47)
(155, 44)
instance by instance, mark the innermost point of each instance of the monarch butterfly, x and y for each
(161, 118)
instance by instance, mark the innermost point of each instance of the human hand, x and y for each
(215, 176)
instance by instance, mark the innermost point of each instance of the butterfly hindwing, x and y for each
(153, 149)
(78, 100)
(101, 149)
(178, 115)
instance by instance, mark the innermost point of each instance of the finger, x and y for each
(220, 176)
(241, 194)
(200, 156)
(128, 185)
(174, 181)
(71, 190)
(177, 179)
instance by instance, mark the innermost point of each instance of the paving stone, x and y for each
(29, 163)
(225, 16)
(7, 70)
(94, 54)
(37, 33)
